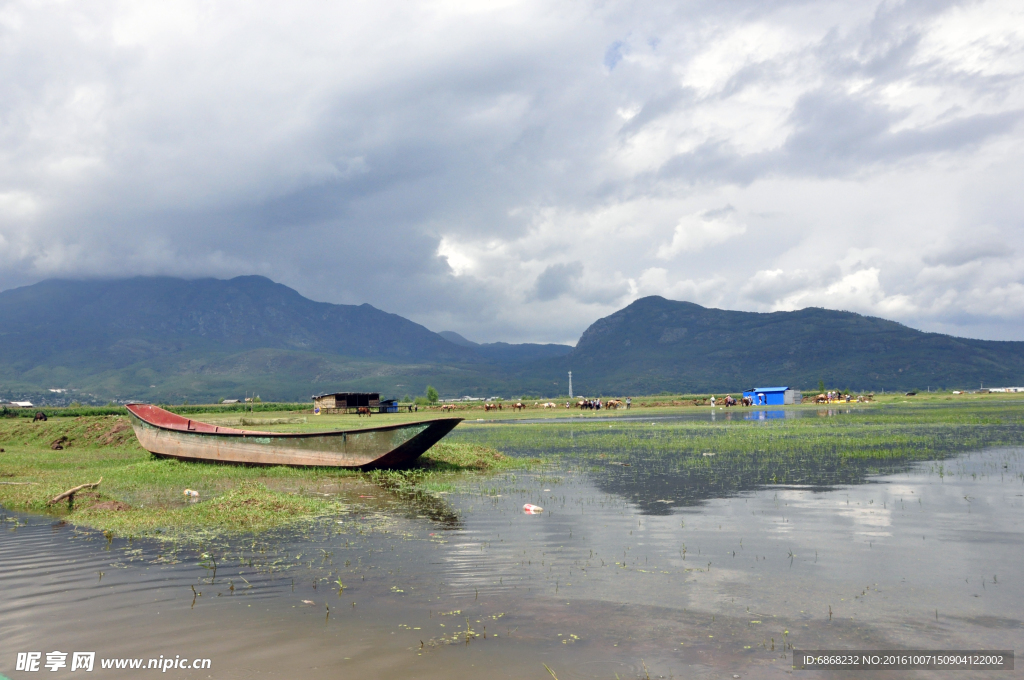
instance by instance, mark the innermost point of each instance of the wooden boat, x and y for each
(163, 433)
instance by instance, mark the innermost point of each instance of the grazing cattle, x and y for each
(518, 406)
(549, 404)
(492, 407)
(820, 399)
(447, 407)
(363, 411)
(39, 416)
(613, 403)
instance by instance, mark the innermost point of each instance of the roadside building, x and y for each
(345, 402)
(773, 396)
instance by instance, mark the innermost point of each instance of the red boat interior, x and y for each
(154, 415)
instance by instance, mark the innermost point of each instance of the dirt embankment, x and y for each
(61, 433)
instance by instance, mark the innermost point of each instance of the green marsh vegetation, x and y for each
(661, 463)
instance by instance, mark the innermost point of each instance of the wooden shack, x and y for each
(345, 402)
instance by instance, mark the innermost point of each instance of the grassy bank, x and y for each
(143, 495)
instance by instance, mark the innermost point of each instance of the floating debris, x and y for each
(531, 509)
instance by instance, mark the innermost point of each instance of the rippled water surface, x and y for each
(627, 572)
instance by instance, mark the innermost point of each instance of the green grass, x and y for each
(150, 490)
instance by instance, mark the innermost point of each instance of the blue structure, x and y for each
(773, 396)
(388, 406)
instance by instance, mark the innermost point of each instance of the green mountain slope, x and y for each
(161, 338)
(112, 324)
(656, 344)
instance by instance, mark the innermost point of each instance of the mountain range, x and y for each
(169, 339)
(656, 344)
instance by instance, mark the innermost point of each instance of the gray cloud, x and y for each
(557, 280)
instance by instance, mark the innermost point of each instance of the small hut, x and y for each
(345, 402)
(773, 396)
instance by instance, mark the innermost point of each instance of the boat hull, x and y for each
(391, 446)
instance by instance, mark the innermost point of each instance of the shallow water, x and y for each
(626, 572)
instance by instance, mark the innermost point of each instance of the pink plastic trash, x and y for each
(530, 509)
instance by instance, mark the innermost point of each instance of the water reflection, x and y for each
(768, 415)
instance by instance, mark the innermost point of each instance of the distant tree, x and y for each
(75, 404)
(221, 400)
(432, 395)
(257, 400)
(821, 386)
(407, 398)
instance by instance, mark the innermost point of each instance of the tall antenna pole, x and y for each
(570, 384)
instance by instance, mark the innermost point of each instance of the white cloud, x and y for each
(696, 232)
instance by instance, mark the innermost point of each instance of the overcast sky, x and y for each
(516, 170)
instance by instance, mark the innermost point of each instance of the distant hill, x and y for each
(453, 337)
(168, 338)
(119, 321)
(656, 344)
(505, 353)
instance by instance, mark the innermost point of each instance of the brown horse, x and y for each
(363, 411)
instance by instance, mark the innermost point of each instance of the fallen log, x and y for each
(71, 492)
